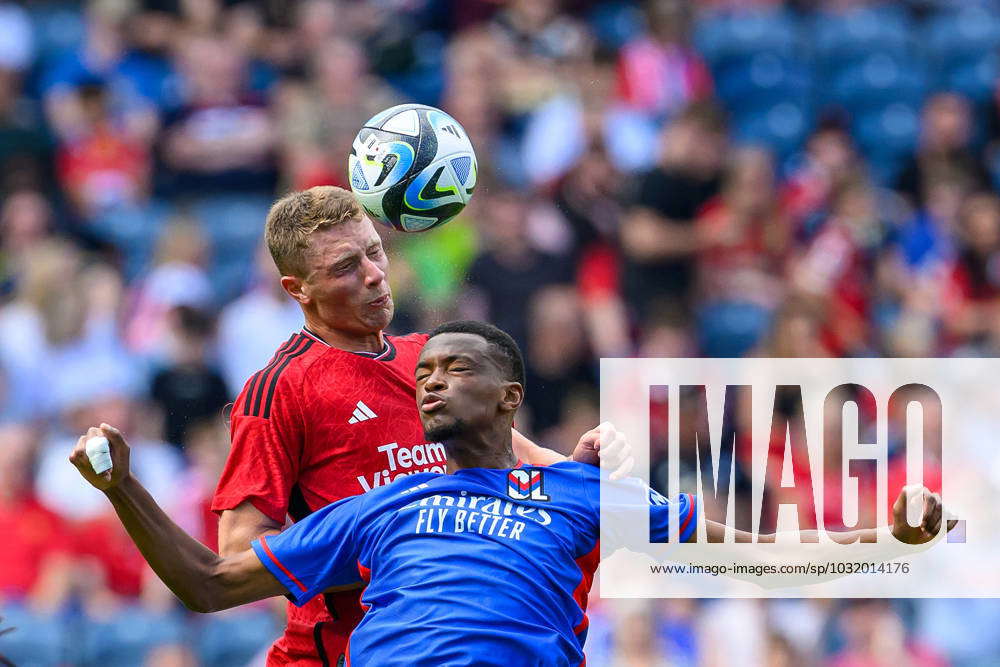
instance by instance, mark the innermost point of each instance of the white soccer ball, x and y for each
(412, 167)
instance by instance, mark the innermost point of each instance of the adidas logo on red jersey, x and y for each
(362, 413)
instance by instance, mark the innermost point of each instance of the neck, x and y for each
(343, 340)
(492, 450)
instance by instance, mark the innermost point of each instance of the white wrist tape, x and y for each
(99, 453)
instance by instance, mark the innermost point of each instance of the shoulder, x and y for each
(573, 473)
(285, 369)
(403, 351)
(414, 340)
(571, 467)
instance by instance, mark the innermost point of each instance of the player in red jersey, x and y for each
(333, 414)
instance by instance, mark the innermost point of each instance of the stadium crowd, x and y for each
(657, 178)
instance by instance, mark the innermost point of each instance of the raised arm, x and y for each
(201, 579)
(601, 446)
(242, 525)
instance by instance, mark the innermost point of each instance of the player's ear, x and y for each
(296, 288)
(513, 396)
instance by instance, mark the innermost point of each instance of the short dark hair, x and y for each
(504, 347)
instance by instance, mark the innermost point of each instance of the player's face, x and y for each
(346, 280)
(461, 389)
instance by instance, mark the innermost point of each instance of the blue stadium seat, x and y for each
(889, 132)
(976, 79)
(134, 230)
(234, 225)
(128, 637)
(760, 81)
(34, 640)
(962, 47)
(731, 328)
(231, 639)
(615, 22)
(739, 35)
(232, 218)
(841, 39)
(782, 128)
(876, 81)
(965, 34)
(59, 26)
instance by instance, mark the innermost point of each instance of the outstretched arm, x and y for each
(201, 579)
(884, 544)
(930, 524)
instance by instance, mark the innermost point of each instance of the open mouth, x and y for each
(379, 302)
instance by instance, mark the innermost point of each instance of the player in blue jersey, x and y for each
(489, 565)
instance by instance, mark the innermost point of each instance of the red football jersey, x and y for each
(316, 425)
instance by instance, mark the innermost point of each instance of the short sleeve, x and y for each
(316, 553)
(659, 517)
(630, 499)
(263, 464)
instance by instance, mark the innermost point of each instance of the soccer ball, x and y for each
(412, 167)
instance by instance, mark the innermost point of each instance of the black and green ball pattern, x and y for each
(412, 167)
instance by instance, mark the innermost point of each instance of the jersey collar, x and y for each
(387, 353)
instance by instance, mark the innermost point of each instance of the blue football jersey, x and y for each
(481, 567)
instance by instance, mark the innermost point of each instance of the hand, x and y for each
(606, 447)
(119, 458)
(930, 524)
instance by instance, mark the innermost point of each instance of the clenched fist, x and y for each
(119, 458)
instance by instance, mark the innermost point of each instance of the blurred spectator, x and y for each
(36, 566)
(875, 636)
(509, 272)
(588, 197)
(795, 332)
(732, 631)
(24, 146)
(743, 237)
(266, 311)
(147, 72)
(556, 358)
(234, 636)
(834, 268)
(318, 121)
(46, 331)
(534, 38)
(188, 388)
(658, 235)
(98, 60)
(222, 137)
(177, 279)
(435, 267)
(636, 642)
(561, 132)
(25, 219)
(659, 73)
(976, 274)
(205, 444)
(107, 395)
(830, 160)
(100, 166)
(946, 133)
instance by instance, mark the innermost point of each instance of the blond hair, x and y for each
(297, 215)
